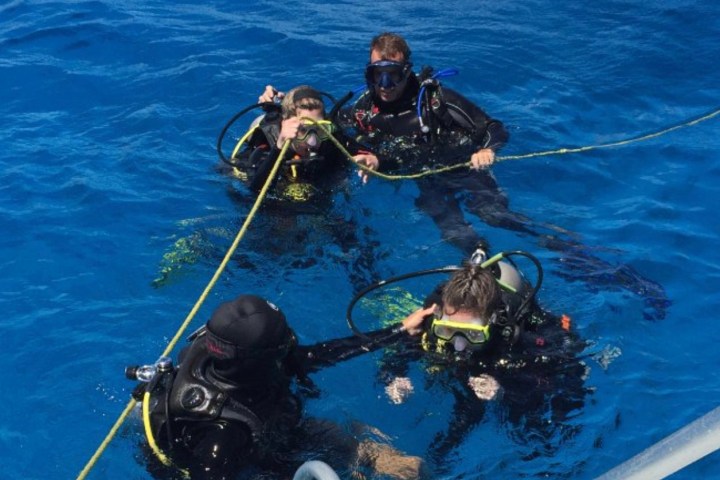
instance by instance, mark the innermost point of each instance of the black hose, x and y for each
(382, 283)
(329, 97)
(265, 105)
(338, 105)
(446, 269)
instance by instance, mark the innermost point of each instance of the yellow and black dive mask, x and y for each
(471, 335)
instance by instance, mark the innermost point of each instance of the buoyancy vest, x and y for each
(400, 118)
(192, 396)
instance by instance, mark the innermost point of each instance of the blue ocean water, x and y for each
(110, 113)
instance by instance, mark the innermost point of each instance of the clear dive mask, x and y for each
(311, 134)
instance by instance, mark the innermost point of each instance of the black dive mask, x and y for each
(387, 74)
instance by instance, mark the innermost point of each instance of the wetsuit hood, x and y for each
(246, 338)
(246, 324)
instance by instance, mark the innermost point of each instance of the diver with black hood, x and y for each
(230, 405)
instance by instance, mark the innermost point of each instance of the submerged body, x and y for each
(305, 210)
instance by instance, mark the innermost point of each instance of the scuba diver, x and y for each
(411, 120)
(316, 165)
(412, 123)
(229, 405)
(398, 103)
(483, 336)
(303, 206)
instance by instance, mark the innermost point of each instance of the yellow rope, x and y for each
(233, 247)
(560, 151)
(261, 196)
(93, 460)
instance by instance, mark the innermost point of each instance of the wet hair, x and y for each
(390, 45)
(473, 288)
(303, 96)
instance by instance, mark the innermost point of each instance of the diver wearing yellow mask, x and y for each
(477, 317)
(482, 337)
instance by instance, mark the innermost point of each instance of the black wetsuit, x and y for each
(305, 204)
(458, 128)
(217, 427)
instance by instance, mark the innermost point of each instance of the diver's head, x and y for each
(303, 101)
(389, 46)
(470, 300)
(306, 103)
(246, 336)
(474, 289)
(389, 67)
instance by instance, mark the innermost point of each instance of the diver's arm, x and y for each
(271, 94)
(324, 354)
(488, 132)
(306, 359)
(355, 148)
(394, 365)
(489, 135)
(350, 144)
(360, 154)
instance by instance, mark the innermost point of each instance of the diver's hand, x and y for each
(482, 158)
(271, 94)
(370, 161)
(288, 130)
(413, 321)
(388, 462)
(399, 389)
(484, 386)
